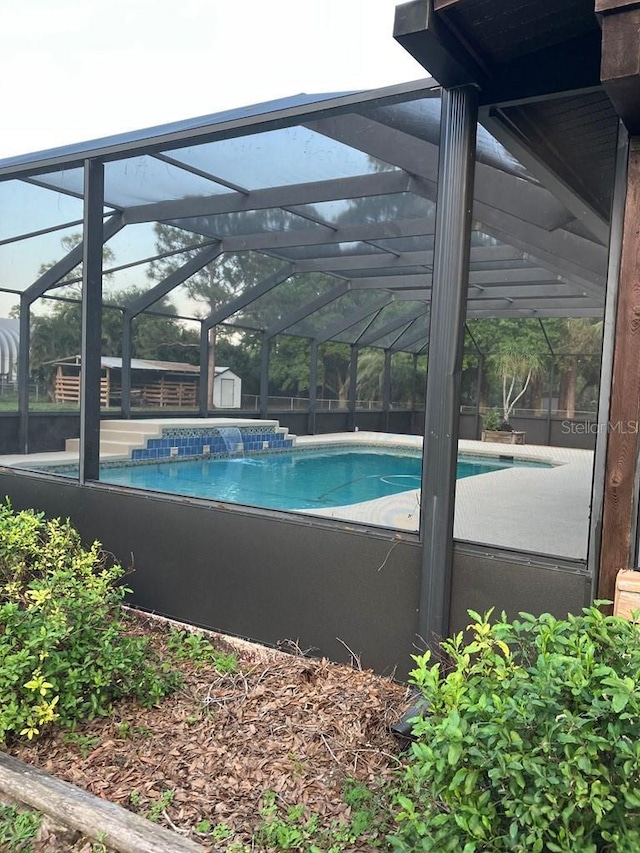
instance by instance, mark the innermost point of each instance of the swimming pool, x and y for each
(298, 479)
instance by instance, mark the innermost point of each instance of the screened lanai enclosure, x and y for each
(379, 277)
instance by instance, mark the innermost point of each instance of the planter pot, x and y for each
(503, 436)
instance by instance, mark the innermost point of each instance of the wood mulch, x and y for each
(293, 725)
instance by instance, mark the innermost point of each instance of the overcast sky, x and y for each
(79, 69)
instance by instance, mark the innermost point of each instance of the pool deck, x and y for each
(543, 510)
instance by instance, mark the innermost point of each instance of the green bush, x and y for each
(195, 647)
(65, 654)
(531, 740)
(491, 419)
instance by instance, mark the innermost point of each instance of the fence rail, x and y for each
(535, 413)
(251, 402)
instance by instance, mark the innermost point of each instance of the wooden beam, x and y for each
(620, 66)
(418, 29)
(98, 819)
(622, 438)
(614, 5)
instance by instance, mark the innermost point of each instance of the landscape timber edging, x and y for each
(99, 820)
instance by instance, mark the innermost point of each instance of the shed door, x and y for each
(226, 393)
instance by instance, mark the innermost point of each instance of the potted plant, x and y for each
(497, 429)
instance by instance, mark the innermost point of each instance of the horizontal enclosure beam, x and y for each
(422, 227)
(514, 313)
(380, 260)
(361, 186)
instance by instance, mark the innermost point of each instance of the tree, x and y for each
(333, 371)
(73, 279)
(575, 343)
(371, 375)
(213, 285)
(580, 352)
(57, 333)
(516, 363)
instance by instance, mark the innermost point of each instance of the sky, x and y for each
(75, 70)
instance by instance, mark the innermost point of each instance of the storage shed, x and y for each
(166, 384)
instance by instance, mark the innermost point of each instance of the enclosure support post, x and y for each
(125, 377)
(552, 382)
(23, 372)
(414, 382)
(414, 389)
(264, 376)
(386, 389)
(353, 380)
(448, 308)
(613, 505)
(479, 381)
(313, 388)
(91, 349)
(203, 388)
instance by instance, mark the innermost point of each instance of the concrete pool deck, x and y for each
(544, 510)
(541, 510)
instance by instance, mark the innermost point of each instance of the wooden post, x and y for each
(622, 439)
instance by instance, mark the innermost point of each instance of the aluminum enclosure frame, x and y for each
(227, 546)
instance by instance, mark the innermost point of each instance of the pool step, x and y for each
(119, 437)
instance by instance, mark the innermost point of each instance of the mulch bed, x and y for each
(289, 724)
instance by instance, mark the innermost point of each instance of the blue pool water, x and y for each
(309, 479)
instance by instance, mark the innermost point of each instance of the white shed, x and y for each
(227, 389)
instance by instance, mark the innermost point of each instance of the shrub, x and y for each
(65, 654)
(491, 420)
(531, 741)
(195, 647)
